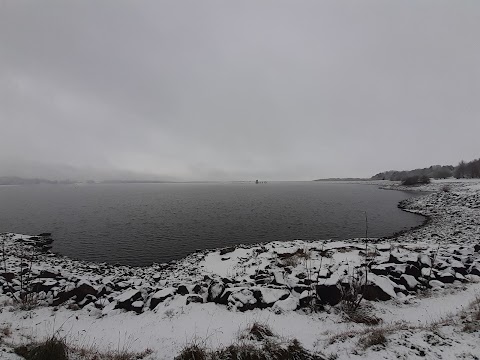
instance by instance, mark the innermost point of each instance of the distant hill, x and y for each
(342, 179)
(435, 172)
(15, 180)
(464, 169)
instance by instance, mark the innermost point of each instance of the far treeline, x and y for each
(462, 170)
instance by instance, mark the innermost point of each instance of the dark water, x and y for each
(138, 224)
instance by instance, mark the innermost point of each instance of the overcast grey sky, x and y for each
(291, 90)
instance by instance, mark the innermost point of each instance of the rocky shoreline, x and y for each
(281, 276)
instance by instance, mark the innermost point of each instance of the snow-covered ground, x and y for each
(420, 285)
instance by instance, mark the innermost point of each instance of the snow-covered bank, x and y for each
(420, 276)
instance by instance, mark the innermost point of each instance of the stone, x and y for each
(242, 300)
(215, 290)
(413, 271)
(435, 284)
(424, 261)
(379, 288)
(194, 299)
(227, 250)
(329, 294)
(81, 290)
(269, 296)
(125, 300)
(8, 276)
(161, 296)
(182, 290)
(446, 277)
(409, 282)
(197, 289)
(282, 306)
(137, 306)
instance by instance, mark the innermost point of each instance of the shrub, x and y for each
(51, 349)
(376, 337)
(416, 180)
(446, 188)
(193, 352)
(258, 332)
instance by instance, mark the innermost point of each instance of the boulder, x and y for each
(137, 306)
(126, 299)
(8, 276)
(458, 267)
(243, 300)
(474, 269)
(269, 296)
(446, 277)
(197, 289)
(45, 285)
(379, 288)
(413, 271)
(49, 274)
(215, 291)
(182, 290)
(329, 294)
(227, 250)
(424, 261)
(289, 304)
(161, 296)
(194, 299)
(435, 284)
(81, 290)
(395, 259)
(409, 282)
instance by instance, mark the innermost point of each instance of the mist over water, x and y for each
(138, 224)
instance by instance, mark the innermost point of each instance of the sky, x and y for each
(237, 90)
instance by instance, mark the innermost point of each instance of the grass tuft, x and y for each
(375, 337)
(51, 349)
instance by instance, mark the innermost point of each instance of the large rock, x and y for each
(182, 290)
(379, 288)
(413, 271)
(81, 290)
(215, 291)
(446, 277)
(289, 304)
(269, 296)
(137, 306)
(194, 299)
(424, 261)
(329, 293)
(409, 282)
(161, 296)
(8, 276)
(474, 269)
(125, 300)
(243, 299)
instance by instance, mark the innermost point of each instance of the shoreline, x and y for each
(267, 280)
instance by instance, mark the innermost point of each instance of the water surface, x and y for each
(137, 224)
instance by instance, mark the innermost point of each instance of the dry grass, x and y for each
(471, 317)
(257, 331)
(256, 342)
(51, 349)
(372, 338)
(5, 331)
(91, 353)
(294, 259)
(362, 315)
(193, 352)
